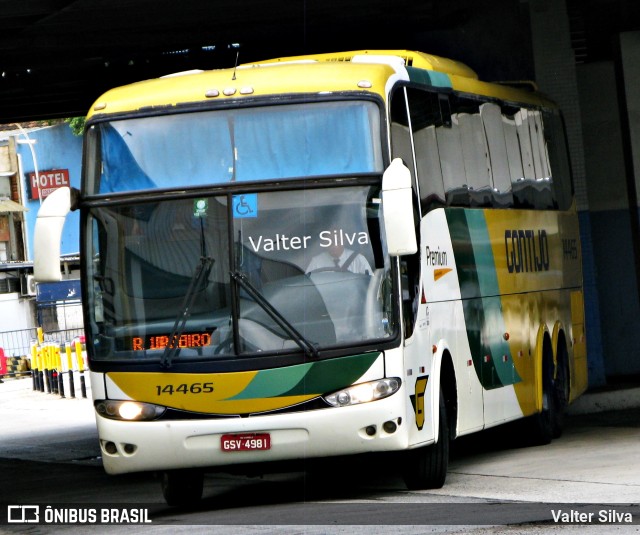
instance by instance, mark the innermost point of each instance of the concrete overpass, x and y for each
(57, 56)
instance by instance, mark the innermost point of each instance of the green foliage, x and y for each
(76, 124)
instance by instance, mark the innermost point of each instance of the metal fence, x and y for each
(18, 343)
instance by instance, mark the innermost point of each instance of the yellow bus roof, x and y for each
(314, 74)
(419, 60)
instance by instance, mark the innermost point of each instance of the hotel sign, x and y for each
(49, 182)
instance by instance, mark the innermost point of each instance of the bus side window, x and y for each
(533, 189)
(475, 154)
(452, 163)
(481, 154)
(429, 169)
(400, 133)
(426, 116)
(497, 147)
(401, 145)
(559, 166)
(513, 149)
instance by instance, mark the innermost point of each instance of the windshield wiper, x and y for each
(199, 275)
(309, 349)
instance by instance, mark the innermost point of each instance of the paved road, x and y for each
(49, 455)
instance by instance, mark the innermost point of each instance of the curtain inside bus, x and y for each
(216, 147)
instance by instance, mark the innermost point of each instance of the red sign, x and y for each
(49, 182)
(4, 228)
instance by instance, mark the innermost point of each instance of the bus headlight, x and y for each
(364, 392)
(128, 410)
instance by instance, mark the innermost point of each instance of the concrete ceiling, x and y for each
(57, 56)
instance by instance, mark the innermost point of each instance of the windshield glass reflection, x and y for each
(228, 276)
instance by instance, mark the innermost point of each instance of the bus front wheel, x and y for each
(182, 487)
(426, 468)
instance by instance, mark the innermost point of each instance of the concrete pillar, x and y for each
(555, 72)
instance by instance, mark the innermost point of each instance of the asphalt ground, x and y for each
(49, 454)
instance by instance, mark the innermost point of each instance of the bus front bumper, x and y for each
(175, 444)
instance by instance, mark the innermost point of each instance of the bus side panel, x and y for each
(538, 260)
(441, 312)
(579, 377)
(418, 377)
(511, 273)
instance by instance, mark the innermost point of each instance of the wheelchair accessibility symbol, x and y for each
(245, 205)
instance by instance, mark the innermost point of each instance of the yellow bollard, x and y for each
(60, 378)
(67, 349)
(72, 386)
(53, 368)
(79, 359)
(40, 369)
(47, 368)
(34, 366)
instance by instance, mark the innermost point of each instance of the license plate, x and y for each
(246, 442)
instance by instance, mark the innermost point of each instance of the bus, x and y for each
(368, 252)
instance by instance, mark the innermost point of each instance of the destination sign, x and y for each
(187, 340)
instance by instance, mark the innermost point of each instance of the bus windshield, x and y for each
(234, 145)
(224, 276)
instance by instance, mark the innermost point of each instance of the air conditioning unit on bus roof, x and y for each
(393, 61)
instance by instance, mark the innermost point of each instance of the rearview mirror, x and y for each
(48, 235)
(397, 210)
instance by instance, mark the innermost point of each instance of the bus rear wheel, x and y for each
(542, 423)
(182, 487)
(561, 393)
(426, 468)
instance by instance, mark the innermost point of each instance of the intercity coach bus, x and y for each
(328, 255)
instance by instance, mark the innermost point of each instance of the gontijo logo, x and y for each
(527, 250)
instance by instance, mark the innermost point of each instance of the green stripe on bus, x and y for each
(463, 252)
(312, 378)
(482, 252)
(491, 302)
(427, 77)
(480, 297)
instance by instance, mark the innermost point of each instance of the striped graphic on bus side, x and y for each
(427, 77)
(480, 295)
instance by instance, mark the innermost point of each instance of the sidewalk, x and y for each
(611, 398)
(45, 427)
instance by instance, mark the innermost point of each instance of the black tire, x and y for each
(182, 488)
(426, 468)
(541, 426)
(560, 393)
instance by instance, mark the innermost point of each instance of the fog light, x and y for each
(129, 448)
(389, 427)
(370, 430)
(110, 448)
